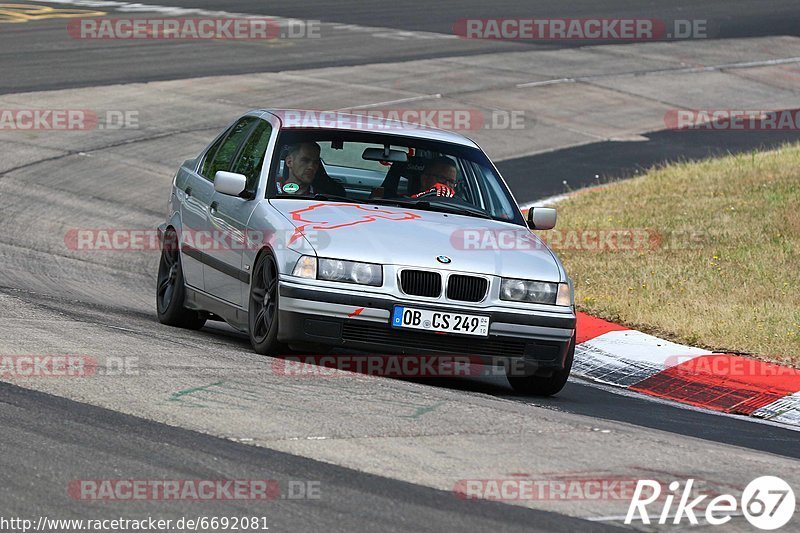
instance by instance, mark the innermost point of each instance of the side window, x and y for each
(497, 202)
(252, 156)
(227, 150)
(209, 157)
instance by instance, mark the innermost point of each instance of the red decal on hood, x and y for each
(361, 214)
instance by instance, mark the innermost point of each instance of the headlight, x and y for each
(339, 270)
(513, 289)
(538, 292)
(366, 274)
(331, 269)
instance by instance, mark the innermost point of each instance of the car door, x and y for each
(195, 191)
(228, 216)
(197, 242)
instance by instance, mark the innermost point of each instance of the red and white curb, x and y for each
(615, 355)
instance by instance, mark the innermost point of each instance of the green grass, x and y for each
(723, 271)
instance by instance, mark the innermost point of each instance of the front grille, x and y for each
(466, 288)
(421, 283)
(420, 343)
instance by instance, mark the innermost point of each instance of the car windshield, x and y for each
(389, 169)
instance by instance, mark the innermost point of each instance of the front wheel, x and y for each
(263, 307)
(543, 386)
(170, 289)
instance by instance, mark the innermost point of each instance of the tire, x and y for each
(262, 315)
(170, 288)
(544, 386)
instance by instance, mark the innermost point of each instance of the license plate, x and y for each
(441, 321)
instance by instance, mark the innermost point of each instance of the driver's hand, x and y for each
(440, 189)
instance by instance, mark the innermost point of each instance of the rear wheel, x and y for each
(263, 307)
(544, 386)
(170, 289)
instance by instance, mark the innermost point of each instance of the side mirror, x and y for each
(229, 183)
(541, 218)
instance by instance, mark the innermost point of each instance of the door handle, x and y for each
(188, 192)
(213, 207)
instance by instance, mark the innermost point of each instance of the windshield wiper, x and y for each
(336, 198)
(458, 210)
(441, 208)
(319, 196)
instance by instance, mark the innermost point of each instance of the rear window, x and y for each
(349, 155)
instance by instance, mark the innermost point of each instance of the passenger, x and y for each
(439, 178)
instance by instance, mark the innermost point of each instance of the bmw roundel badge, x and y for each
(444, 259)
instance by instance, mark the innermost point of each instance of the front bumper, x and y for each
(308, 315)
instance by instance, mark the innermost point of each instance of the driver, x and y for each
(438, 178)
(302, 163)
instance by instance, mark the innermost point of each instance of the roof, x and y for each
(336, 120)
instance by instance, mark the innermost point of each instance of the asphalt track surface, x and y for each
(147, 450)
(732, 19)
(43, 56)
(48, 440)
(568, 169)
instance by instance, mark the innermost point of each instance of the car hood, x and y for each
(411, 237)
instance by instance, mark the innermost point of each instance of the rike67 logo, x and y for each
(767, 503)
